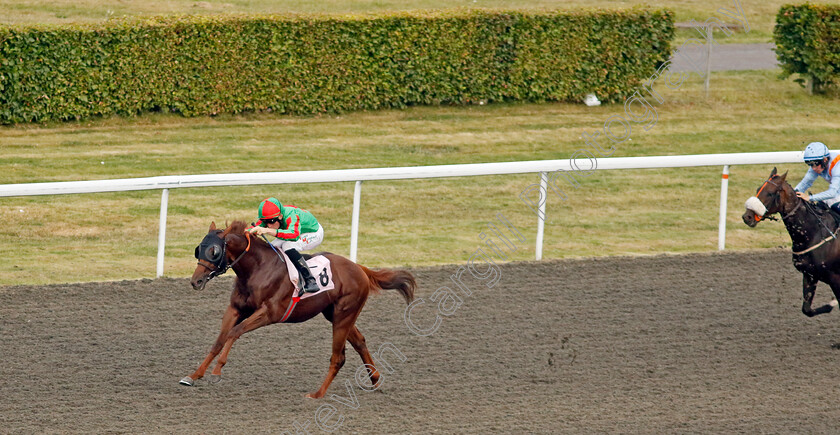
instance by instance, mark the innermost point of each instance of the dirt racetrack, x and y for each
(665, 344)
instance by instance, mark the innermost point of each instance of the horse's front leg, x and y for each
(260, 318)
(809, 286)
(229, 320)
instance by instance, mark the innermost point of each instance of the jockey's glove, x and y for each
(263, 231)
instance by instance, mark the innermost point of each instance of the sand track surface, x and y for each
(665, 344)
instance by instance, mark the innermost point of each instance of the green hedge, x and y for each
(294, 64)
(808, 42)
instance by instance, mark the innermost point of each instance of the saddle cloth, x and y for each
(319, 267)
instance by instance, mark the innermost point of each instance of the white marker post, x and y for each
(724, 190)
(164, 204)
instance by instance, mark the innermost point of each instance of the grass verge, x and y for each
(113, 236)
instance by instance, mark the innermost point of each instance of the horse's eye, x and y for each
(214, 253)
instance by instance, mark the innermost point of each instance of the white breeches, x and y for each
(305, 242)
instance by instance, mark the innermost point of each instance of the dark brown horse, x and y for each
(262, 294)
(816, 252)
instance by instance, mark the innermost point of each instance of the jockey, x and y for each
(295, 230)
(823, 163)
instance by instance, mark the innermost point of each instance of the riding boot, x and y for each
(310, 286)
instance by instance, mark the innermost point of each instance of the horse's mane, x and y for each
(818, 209)
(784, 183)
(236, 227)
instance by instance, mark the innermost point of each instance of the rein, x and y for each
(295, 299)
(831, 235)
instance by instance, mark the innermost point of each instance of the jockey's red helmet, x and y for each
(270, 208)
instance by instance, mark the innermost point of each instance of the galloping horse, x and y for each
(263, 294)
(816, 252)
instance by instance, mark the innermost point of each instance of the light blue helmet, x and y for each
(815, 151)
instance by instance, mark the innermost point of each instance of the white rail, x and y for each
(358, 175)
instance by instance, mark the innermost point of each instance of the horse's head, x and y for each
(211, 257)
(770, 198)
(219, 251)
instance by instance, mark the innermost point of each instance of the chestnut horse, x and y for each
(262, 294)
(816, 252)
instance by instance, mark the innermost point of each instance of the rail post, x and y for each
(164, 205)
(724, 192)
(541, 215)
(354, 225)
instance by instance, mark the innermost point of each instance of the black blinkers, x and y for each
(212, 250)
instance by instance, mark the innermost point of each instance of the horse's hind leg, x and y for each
(230, 319)
(341, 329)
(834, 282)
(809, 285)
(356, 338)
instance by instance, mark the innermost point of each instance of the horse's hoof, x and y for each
(188, 381)
(214, 379)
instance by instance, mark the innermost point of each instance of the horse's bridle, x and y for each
(213, 245)
(776, 194)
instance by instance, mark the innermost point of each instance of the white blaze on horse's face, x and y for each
(756, 206)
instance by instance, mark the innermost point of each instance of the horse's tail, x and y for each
(400, 280)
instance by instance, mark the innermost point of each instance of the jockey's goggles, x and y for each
(814, 163)
(270, 221)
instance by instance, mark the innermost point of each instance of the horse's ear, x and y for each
(212, 225)
(784, 175)
(773, 174)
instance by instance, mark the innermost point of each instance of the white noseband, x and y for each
(756, 206)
